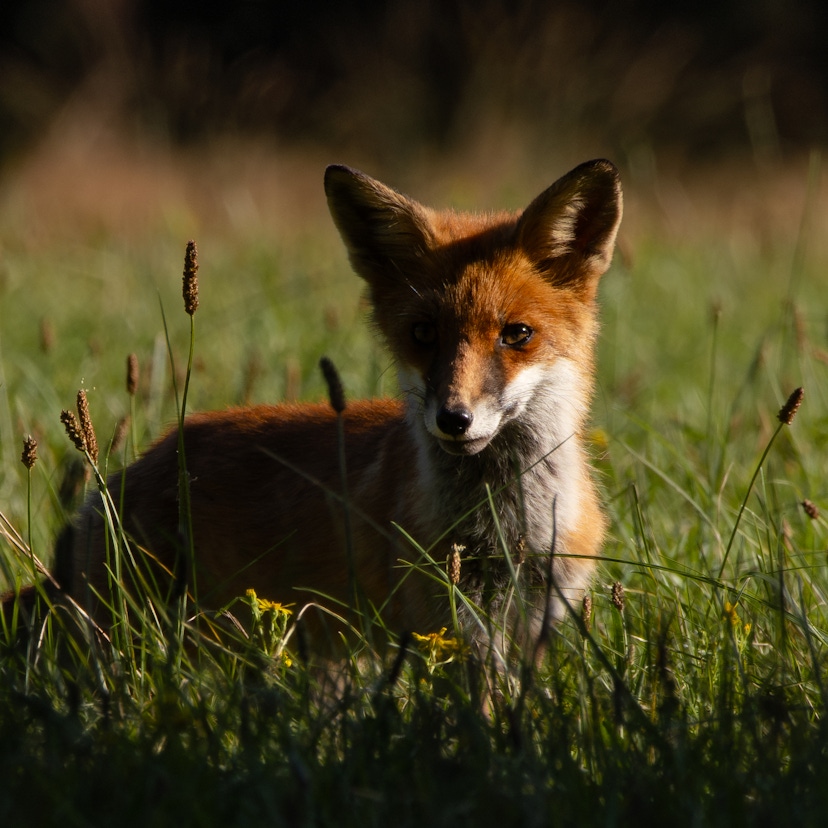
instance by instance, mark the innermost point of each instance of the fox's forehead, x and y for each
(450, 227)
(487, 290)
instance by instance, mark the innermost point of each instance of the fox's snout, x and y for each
(464, 417)
(460, 397)
(456, 427)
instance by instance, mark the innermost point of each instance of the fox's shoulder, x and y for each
(225, 443)
(358, 415)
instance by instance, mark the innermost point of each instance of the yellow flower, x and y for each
(733, 616)
(439, 647)
(264, 605)
(730, 612)
(274, 606)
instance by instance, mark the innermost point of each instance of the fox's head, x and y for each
(491, 317)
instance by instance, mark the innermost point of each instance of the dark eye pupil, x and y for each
(424, 333)
(517, 334)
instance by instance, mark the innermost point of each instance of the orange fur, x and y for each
(491, 320)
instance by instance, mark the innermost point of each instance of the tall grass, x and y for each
(691, 687)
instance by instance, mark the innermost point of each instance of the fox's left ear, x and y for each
(569, 230)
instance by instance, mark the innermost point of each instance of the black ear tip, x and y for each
(340, 174)
(599, 165)
(335, 173)
(600, 169)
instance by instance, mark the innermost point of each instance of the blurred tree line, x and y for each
(704, 78)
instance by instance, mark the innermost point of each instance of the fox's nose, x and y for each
(454, 421)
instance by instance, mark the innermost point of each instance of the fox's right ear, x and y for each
(383, 230)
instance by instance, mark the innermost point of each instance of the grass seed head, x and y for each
(453, 562)
(586, 611)
(132, 375)
(90, 441)
(191, 278)
(618, 596)
(810, 509)
(73, 429)
(47, 336)
(788, 411)
(336, 393)
(520, 550)
(29, 456)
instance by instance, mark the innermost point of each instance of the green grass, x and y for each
(702, 701)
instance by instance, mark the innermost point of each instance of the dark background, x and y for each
(702, 80)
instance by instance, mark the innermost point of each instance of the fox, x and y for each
(480, 461)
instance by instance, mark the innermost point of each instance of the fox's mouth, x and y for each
(464, 447)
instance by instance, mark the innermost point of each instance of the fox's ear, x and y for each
(569, 230)
(382, 229)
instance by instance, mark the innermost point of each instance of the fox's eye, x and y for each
(424, 333)
(516, 335)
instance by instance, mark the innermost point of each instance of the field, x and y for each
(695, 692)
